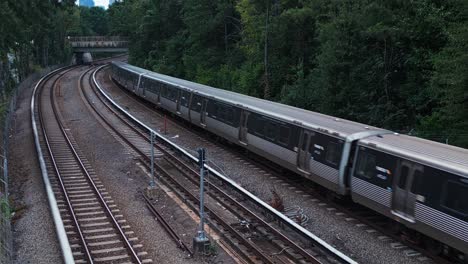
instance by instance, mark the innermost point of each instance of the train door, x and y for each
(139, 85)
(143, 84)
(159, 89)
(203, 112)
(189, 106)
(178, 96)
(303, 155)
(136, 82)
(404, 198)
(243, 127)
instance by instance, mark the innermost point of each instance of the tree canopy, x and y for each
(33, 34)
(400, 65)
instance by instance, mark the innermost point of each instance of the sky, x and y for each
(103, 3)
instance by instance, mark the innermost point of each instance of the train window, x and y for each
(229, 115)
(164, 92)
(417, 181)
(196, 103)
(221, 112)
(311, 146)
(184, 98)
(174, 94)
(403, 176)
(284, 135)
(259, 127)
(366, 165)
(213, 109)
(333, 153)
(170, 93)
(304, 142)
(271, 131)
(155, 87)
(148, 85)
(454, 197)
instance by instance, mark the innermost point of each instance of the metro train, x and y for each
(421, 184)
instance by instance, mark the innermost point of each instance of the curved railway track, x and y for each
(97, 233)
(364, 215)
(248, 233)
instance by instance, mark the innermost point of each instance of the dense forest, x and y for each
(396, 64)
(401, 65)
(33, 35)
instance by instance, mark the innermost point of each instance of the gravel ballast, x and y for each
(35, 240)
(122, 177)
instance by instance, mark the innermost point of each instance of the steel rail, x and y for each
(301, 251)
(134, 255)
(284, 219)
(252, 246)
(59, 176)
(67, 254)
(231, 200)
(247, 211)
(167, 227)
(379, 226)
(147, 160)
(194, 198)
(65, 248)
(293, 245)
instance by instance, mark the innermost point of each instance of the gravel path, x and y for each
(358, 241)
(34, 234)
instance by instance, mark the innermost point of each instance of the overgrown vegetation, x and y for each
(5, 210)
(400, 65)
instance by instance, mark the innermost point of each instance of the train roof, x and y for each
(434, 154)
(284, 112)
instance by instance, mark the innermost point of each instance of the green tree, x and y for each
(208, 43)
(374, 63)
(449, 120)
(93, 21)
(34, 33)
(395, 64)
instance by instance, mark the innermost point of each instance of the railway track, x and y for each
(249, 234)
(96, 232)
(366, 217)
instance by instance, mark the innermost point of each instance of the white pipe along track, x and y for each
(59, 227)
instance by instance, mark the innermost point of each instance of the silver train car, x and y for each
(419, 183)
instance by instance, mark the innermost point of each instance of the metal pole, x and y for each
(152, 183)
(5, 178)
(201, 160)
(6, 133)
(201, 241)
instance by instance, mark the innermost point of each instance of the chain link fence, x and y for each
(7, 128)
